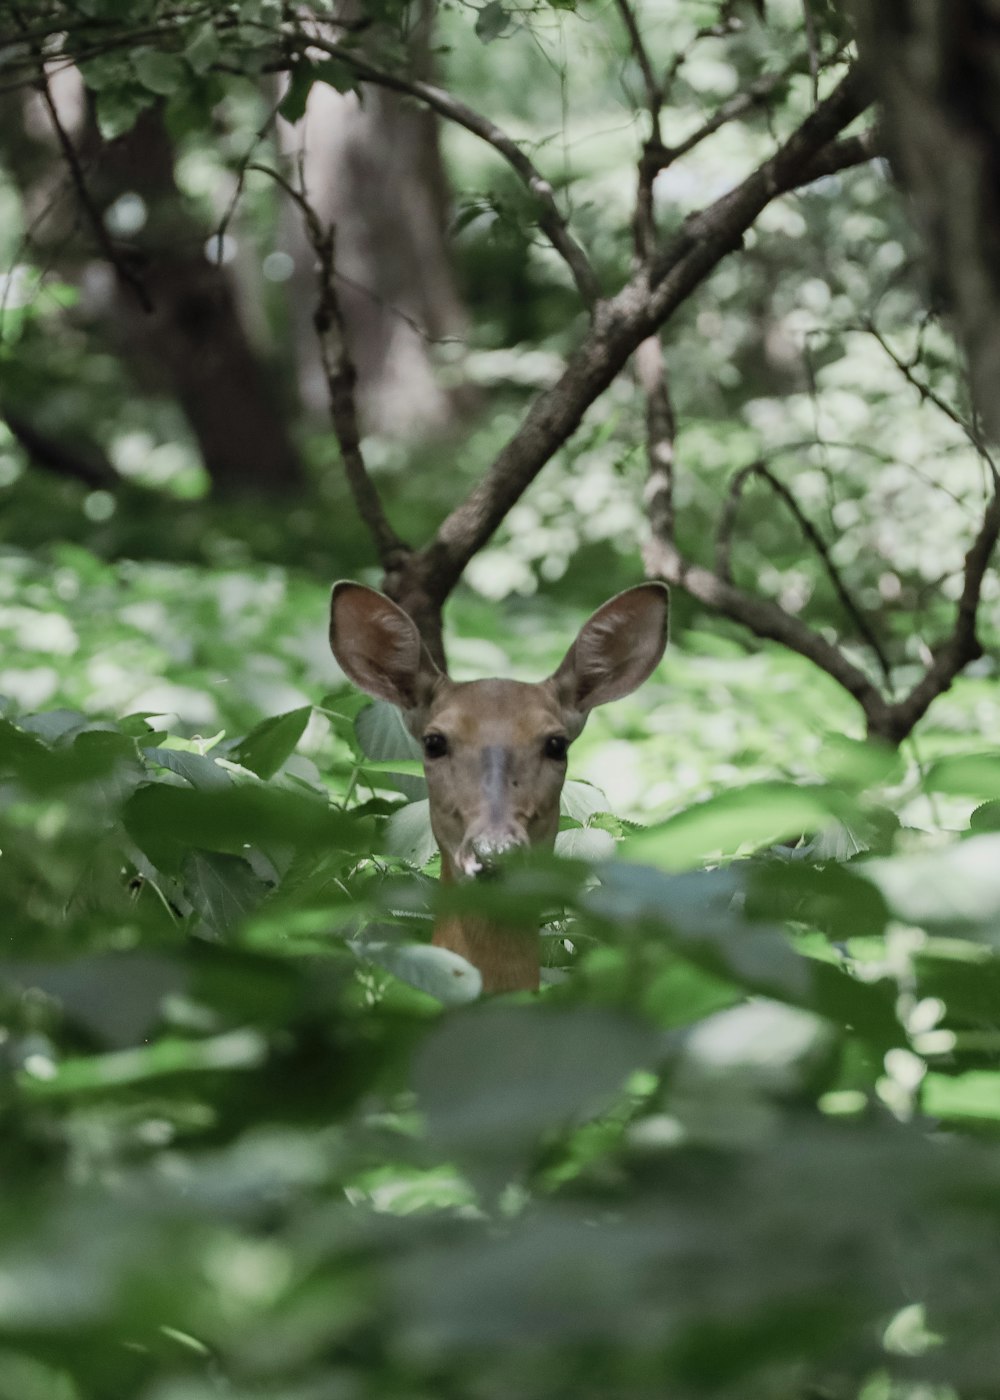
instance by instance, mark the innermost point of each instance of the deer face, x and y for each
(495, 750)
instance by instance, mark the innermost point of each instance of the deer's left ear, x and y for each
(615, 650)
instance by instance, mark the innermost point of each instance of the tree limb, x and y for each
(770, 621)
(963, 645)
(723, 550)
(550, 220)
(619, 326)
(340, 374)
(83, 462)
(93, 215)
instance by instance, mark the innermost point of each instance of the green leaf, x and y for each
(162, 73)
(383, 735)
(439, 972)
(975, 1095)
(300, 85)
(954, 887)
(492, 21)
(202, 49)
(200, 770)
(747, 818)
(966, 775)
(581, 801)
(166, 821)
(239, 1049)
(497, 1078)
(585, 843)
(222, 889)
(384, 738)
(267, 747)
(408, 834)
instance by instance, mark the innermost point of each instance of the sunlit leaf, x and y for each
(744, 819)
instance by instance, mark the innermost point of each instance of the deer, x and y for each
(495, 751)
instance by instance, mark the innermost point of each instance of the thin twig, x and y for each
(812, 47)
(654, 93)
(724, 542)
(770, 621)
(963, 645)
(94, 217)
(755, 95)
(341, 378)
(929, 395)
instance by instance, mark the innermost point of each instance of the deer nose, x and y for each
(477, 855)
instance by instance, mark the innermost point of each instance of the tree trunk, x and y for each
(189, 337)
(936, 67)
(374, 169)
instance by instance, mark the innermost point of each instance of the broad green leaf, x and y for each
(267, 747)
(585, 843)
(493, 19)
(966, 775)
(952, 886)
(117, 997)
(222, 889)
(203, 49)
(974, 1095)
(165, 821)
(384, 738)
(162, 73)
(200, 770)
(501, 1076)
(300, 84)
(745, 819)
(383, 735)
(408, 833)
(439, 972)
(581, 801)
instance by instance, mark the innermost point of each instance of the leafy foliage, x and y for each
(261, 1139)
(258, 1130)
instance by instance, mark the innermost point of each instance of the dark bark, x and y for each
(935, 64)
(191, 341)
(373, 169)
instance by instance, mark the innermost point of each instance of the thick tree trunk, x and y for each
(373, 168)
(188, 337)
(936, 66)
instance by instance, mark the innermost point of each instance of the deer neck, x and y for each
(508, 959)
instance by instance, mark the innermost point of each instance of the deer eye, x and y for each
(435, 745)
(556, 746)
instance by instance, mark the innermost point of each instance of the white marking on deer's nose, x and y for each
(477, 855)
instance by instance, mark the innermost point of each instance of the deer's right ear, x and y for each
(378, 647)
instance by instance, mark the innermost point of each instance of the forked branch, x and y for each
(620, 325)
(723, 550)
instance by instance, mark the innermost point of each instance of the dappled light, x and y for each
(440, 991)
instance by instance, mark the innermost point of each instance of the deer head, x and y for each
(495, 750)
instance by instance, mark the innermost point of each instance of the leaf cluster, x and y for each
(261, 1135)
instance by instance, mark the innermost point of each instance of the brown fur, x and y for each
(494, 787)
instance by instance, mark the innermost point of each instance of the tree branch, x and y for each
(83, 462)
(550, 220)
(723, 549)
(661, 431)
(619, 326)
(963, 645)
(341, 377)
(770, 621)
(93, 215)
